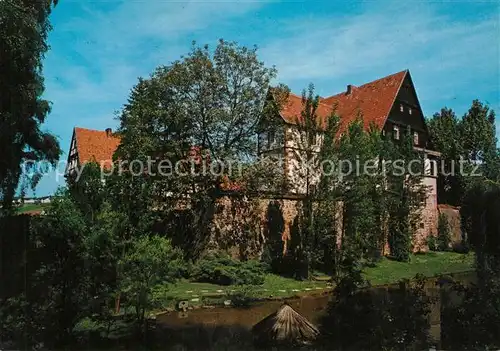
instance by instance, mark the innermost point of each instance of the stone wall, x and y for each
(242, 226)
(429, 222)
(453, 216)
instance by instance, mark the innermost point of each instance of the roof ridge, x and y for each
(356, 87)
(319, 99)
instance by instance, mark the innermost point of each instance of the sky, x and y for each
(99, 49)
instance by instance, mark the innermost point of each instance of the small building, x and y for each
(284, 327)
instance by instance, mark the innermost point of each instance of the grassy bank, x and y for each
(429, 264)
(387, 271)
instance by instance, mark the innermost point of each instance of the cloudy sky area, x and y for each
(99, 49)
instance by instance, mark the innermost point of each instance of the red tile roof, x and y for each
(373, 100)
(95, 145)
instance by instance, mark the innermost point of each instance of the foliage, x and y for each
(89, 192)
(471, 321)
(472, 318)
(377, 319)
(190, 117)
(150, 261)
(467, 145)
(405, 193)
(444, 235)
(362, 195)
(221, 269)
(57, 280)
(432, 242)
(24, 27)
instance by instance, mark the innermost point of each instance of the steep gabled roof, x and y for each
(372, 100)
(95, 145)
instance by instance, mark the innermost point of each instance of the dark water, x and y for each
(205, 326)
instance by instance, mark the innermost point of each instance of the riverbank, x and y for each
(275, 287)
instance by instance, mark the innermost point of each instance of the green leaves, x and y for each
(23, 33)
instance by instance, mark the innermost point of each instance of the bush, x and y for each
(432, 242)
(223, 270)
(444, 236)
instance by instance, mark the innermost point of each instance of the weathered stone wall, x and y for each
(242, 226)
(429, 222)
(453, 216)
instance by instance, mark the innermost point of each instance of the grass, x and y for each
(387, 271)
(205, 293)
(429, 264)
(31, 207)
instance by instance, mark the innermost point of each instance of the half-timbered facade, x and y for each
(389, 104)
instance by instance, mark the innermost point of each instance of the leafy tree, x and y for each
(24, 27)
(444, 235)
(57, 279)
(445, 133)
(188, 117)
(478, 131)
(362, 191)
(151, 261)
(472, 321)
(89, 192)
(466, 145)
(405, 193)
(376, 319)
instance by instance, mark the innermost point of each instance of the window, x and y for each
(395, 131)
(409, 110)
(415, 138)
(401, 108)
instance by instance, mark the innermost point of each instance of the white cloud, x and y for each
(444, 55)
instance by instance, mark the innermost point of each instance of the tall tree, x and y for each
(197, 120)
(359, 153)
(406, 193)
(445, 133)
(24, 26)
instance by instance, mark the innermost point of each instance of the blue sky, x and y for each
(100, 48)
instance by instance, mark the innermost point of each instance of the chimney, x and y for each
(350, 88)
(109, 131)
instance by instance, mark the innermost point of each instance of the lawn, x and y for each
(387, 271)
(429, 264)
(31, 207)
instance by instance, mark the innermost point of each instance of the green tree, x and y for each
(472, 322)
(405, 192)
(445, 133)
(444, 235)
(470, 141)
(189, 117)
(362, 191)
(478, 132)
(24, 27)
(57, 280)
(151, 261)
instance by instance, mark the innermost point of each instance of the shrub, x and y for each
(432, 242)
(223, 270)
(444, 236)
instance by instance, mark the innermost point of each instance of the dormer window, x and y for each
(395, 132)
(415, 138)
